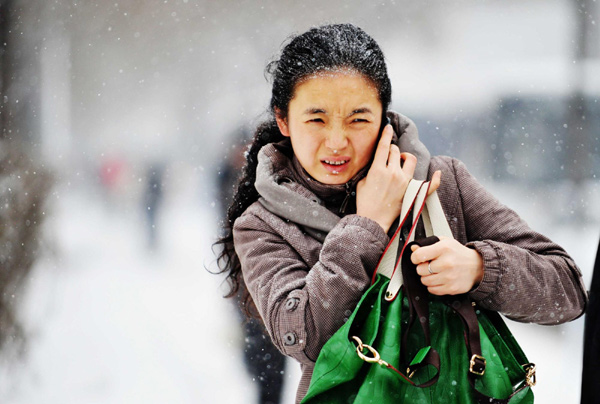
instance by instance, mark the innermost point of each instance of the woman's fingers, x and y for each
(394, 157)
(448, 267)
(379, 195)
(382, 152)
(425, 254)
(409, 165)
(423, 269)
(436, 180)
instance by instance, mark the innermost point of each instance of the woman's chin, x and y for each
(333, 179)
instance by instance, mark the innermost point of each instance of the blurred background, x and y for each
(119, 120)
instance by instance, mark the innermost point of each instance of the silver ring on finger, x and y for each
(429, 268)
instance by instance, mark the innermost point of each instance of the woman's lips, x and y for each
(335, 165)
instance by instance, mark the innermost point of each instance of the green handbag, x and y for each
(455, 353)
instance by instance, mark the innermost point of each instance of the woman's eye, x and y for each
(360, 120)
(319, 120)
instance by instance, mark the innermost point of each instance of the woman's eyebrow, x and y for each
(363, 110)
(314, 111)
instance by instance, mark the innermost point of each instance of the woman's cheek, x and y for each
(366, 148)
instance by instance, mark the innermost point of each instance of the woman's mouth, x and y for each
(335, 166)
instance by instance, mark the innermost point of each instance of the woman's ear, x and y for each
(281, 123)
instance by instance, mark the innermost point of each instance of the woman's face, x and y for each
(333, 121)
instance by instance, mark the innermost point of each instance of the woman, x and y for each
(322, 188)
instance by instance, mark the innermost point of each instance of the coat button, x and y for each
(291, 303)
(289, 338)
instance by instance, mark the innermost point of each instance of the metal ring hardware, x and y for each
(375, 359)
(530, 379)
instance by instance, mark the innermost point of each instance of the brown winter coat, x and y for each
(304, 287)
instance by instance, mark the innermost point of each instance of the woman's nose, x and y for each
(336, 139)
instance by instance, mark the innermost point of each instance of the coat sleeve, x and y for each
(302, 306)
(527, 277)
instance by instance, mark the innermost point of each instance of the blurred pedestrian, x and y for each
(590, 389)
(263, 361)
(153, 196)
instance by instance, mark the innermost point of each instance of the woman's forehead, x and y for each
(341, 87)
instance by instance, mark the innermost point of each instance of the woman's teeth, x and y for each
(336, 163)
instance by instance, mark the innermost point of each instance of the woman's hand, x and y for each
(455, 269)
(379, 195)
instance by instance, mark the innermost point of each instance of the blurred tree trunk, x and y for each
(579, 136)
(21, 44)
(4, 70)
(23, 182)
(578, 131)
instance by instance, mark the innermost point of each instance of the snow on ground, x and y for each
(111, 322)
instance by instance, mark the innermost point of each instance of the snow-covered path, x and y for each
(112, 322)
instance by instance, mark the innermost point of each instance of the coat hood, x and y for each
(290, 199)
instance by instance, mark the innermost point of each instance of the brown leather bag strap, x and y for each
(416, 292)
(462, 305)
(418, 300)
(418, 307)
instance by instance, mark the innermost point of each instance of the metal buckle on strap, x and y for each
(375, 359)
(530, 379)
(477, 365)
